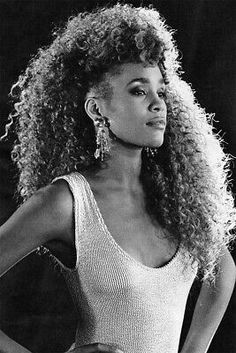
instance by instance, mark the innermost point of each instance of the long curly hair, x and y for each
(186, 181)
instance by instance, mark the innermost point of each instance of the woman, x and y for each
(116, 162)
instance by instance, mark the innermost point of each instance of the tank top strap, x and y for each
(84, 208)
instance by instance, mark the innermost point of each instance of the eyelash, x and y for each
(136, 92)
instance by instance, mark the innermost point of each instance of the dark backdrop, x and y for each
(35, 306)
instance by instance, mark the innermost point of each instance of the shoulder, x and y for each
(47, 215)
(56, 196)
(53, 204)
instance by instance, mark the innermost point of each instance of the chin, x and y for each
(155, 144)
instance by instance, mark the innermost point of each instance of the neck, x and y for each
(124, 165)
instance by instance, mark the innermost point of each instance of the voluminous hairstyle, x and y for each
(185, 181)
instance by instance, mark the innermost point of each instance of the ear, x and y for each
(92, 108)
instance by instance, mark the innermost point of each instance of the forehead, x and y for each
(130, 73)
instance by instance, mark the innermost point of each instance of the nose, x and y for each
(157, 104)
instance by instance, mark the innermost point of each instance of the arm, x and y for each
(210, 307)
(45, 216)
(7, 345)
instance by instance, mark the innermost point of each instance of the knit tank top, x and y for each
(120, 301)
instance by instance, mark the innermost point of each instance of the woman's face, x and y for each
(137, 109)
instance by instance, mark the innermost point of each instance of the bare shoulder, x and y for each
(56, 203)
(45, 216)
(57, 197)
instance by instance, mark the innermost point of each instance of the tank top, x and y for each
(119, 300)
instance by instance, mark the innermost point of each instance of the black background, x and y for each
(35, 306)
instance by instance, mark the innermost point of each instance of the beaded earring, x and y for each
(103, 147)
(151, 152)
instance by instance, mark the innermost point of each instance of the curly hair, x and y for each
(186, 181)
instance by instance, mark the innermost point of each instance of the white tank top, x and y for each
(119, 300)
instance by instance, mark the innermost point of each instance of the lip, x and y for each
(157, 123)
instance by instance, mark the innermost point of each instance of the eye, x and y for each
(138, 92)
(161, 94)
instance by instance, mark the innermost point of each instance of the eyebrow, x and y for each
(144, 80)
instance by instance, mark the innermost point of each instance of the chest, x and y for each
(134, 231)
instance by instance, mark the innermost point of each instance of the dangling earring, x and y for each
(151, 152)
(103, 147)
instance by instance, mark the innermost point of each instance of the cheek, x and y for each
(120, 115)
(127, 121)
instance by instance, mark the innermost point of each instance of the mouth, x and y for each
(157, 123)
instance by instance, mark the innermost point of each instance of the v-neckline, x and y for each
(114, 242)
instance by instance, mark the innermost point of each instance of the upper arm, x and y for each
(226, 263)
(47, 215)
(225, 275)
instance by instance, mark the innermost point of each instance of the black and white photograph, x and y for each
(117, 176)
